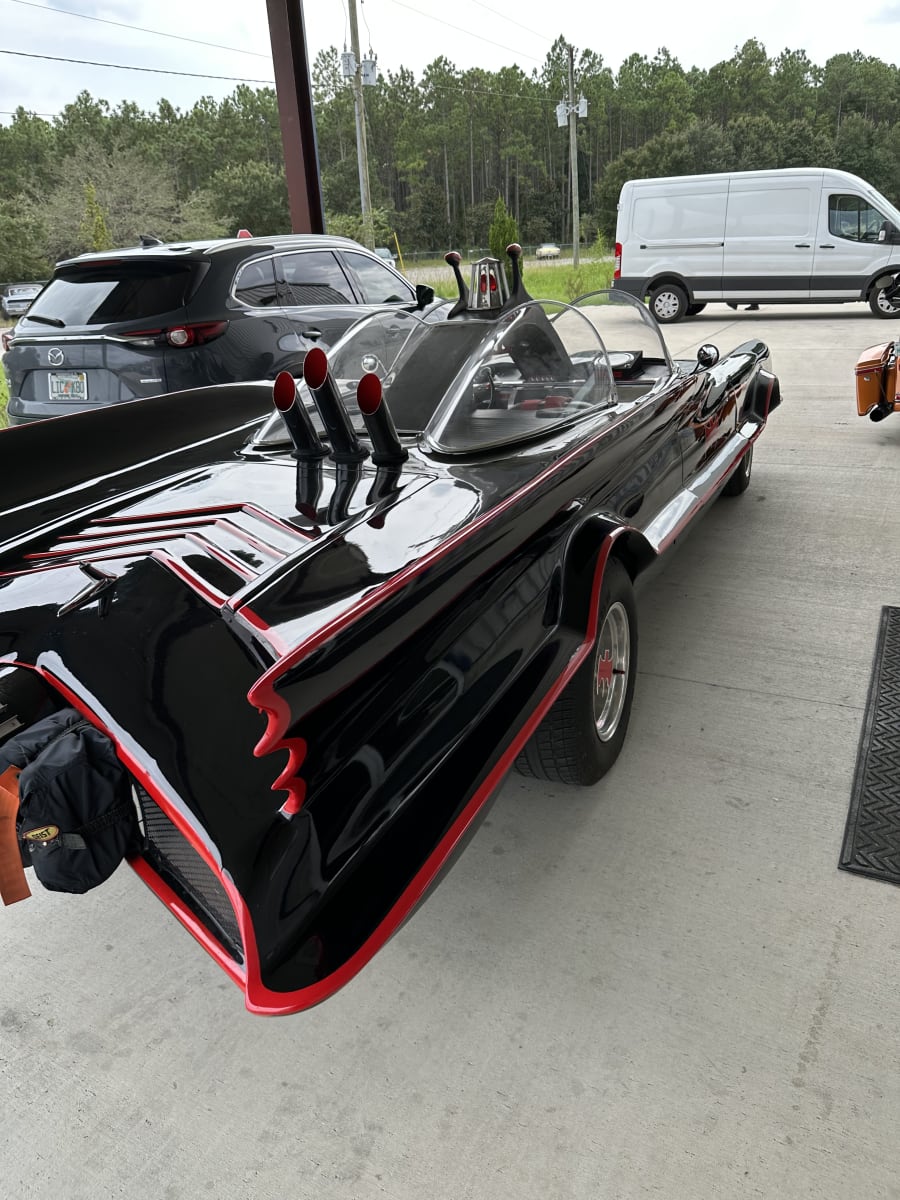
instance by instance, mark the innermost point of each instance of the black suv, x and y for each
(158, 317)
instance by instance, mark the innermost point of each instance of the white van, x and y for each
(798, 236)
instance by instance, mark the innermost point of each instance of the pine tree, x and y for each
(93, 223)
(503, 231)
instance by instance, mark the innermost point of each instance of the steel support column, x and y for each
(293, 87)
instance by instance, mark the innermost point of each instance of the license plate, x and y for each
(68, 385)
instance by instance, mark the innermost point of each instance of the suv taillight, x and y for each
(6, 338)
(617, 273)
(196, 334)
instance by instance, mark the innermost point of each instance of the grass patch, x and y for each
(542, 281)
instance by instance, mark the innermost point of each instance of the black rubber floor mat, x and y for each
(872, 838)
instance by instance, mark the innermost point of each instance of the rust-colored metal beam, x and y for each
(293, 86)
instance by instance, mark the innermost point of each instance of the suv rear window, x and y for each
(113, 292)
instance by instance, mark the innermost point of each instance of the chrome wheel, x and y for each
(611, 675)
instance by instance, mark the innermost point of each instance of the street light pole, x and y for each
(362, 153)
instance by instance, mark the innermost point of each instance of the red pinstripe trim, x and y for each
(83, 551)
(223, 556)
(275, 643)
(213, 509)
(263, 696)
(188, 832)
(259, 998)
(203, 589)
(262, 1000)
(56, 566)
(195, 928)
(708, 495)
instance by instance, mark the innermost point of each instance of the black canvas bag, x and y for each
(77, 819)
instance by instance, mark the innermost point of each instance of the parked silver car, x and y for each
(17, 298)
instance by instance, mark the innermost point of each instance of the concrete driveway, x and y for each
(660, 987)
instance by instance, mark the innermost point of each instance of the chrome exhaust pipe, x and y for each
(345, 445)
(307, 444)
(386, 448)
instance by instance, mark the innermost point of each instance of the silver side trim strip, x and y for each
(682, 508)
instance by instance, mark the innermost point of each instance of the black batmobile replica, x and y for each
(318, 621)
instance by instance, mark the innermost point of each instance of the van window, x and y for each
(853, 218)
(679, 215)
(765, 211)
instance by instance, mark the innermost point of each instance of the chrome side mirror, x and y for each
(707, 356)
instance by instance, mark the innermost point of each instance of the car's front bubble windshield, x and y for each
(416, 360)
(538, 366)
(629, 332)
(468, 383)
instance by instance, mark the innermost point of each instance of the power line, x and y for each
(85, 62)
(138, 28)
(473, 91)
(503, 17)
(468, 32)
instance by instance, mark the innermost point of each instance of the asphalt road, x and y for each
(661, 986)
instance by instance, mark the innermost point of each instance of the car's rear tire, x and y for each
(881, 306)
(583, 733)
(740, 479)
(694, 309)
(668, 303)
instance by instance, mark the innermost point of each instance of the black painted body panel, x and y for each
(323, 704)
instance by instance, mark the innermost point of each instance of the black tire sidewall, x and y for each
(740, 479)
(676, 290)
(596, 756)
(877, 310)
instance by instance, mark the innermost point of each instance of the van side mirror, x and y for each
(888, 233)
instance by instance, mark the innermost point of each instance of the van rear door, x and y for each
(770, 234)
(847, 248)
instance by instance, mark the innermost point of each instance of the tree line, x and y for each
(442, 149)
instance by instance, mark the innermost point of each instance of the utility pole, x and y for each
(573, 160)
(362, 153)
(567, 113)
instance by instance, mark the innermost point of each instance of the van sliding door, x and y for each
(770, 234)
(678, 228)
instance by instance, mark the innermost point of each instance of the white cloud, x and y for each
(408, 33)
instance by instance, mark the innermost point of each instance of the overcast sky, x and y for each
(230, 38)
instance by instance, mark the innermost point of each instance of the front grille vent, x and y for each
(178, 863)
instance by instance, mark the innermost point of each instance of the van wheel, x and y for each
(668, 303)
(694, 309)
(881, 306)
